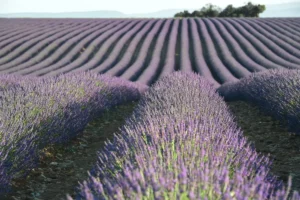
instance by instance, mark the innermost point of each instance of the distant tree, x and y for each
(185, 13)
(209, 10)
(229, 11)
(196, 13)
(178, 14)
(250, 10)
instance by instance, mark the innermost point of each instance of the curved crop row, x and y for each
(292, 26)
(77, 65)
(45, 57)
(14, 43)
(129, 52)
(236, 49)
(78, 44)
(169, 63)
(274, 34)
(181, 143)
(263, 49)
(185, 61)
(64, 53)
(143, 50)
(248, 47)
(277, 49)
(285, 30)
(201, 65)
(274, 91)
(50, 110)
(137, 65)
(19, 28)
(22, 34)
(151, 70)
(24, 53)
(235, 67)
(109, 38)
(220, 69)
(140, 28)
(103, 29)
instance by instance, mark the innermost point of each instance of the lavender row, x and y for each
(18, 31)
(201, 64)
(37, 112)
(108, 41)
(83, 58)
(138, 64)
(236, 49)
(78, 47)
(231, 63)
(25, 26)
(169, 61)
(248, 47)
(13, 44)
(45, 58)
(220, 69)
(185, 61)
(15, 41)
(181, 143)
(291, 25)
(68, 49)
(275, 91)
(24, 52)
(264, 50)
(283, 29)
(277, 49)
(224, 50)
(138, 30)
(289, 44)
(129, 52)
(147, 76)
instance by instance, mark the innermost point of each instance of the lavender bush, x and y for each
(275, 91)
(43, 111)
(181, 143)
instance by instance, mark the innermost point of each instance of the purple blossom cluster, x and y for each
(37, 112)
(181, 142)
(275, 91)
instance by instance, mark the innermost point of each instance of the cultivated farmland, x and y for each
(222, 50)
(197, 92)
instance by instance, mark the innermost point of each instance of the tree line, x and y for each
(210, 10)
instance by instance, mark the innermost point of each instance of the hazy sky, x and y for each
(125, 6)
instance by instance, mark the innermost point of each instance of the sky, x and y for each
(124, 6)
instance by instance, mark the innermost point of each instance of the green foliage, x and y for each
(209, 10)
(185, 13)
(99, 84)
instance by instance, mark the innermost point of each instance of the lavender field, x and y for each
(184, 78)
(222, 50)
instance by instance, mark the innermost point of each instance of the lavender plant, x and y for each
(181, 143)
(275, 91)
(50, 110)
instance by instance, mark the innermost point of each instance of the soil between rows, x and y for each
(270, 137)
(66, 165)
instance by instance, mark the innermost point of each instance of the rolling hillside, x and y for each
(144, 50)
